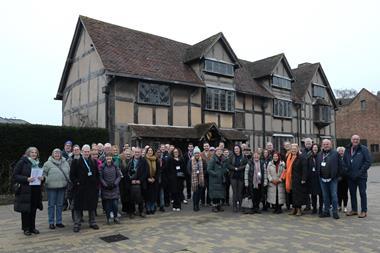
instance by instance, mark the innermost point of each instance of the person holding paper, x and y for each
(28, 196)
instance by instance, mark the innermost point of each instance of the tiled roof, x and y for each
(197, 50)
(303, 75)
(264, 67)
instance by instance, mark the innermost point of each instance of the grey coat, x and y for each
(54, 177)
(273, 175)
(110, 177)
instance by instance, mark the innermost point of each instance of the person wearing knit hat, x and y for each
(196, 150)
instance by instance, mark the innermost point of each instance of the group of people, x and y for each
(313, 178)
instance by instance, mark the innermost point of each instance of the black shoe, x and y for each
(314, 211)
(307, 208)
(34, 231)
(162, 209)
(76, 229)
(335, 216)
(256, 211)
(27, 233)
(324, 215)
(96, 227)
(51, 226)
(60, 225)
(279, 211)
(220, 208)
(214, 209)
(142, 215)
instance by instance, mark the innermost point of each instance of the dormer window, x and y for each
(281, 82)
(363, 105)
(318, 90)
(217, 67)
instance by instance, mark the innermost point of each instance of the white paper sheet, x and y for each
(36, 172)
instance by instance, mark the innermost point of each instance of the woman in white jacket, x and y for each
(276, 188)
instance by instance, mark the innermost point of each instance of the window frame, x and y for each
(282, 108)
(229, 97)
(156, 86)
(375, 148)
(216, 67)
(363, 105)
(320, 86)
(283, 79)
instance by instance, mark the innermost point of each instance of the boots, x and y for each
(299, 212)
(293, 212)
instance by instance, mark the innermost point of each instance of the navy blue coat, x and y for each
(333, 162)
(356, 166)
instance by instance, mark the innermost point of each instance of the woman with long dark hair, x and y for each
(176, 177)
(152, 181)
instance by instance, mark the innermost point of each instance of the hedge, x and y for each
(16, 138)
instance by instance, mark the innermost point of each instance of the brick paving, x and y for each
(205, 232)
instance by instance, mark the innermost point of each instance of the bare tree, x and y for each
(345, 93)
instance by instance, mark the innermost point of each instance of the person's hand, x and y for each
(41, 178)
(303, 182)
(133, 181)
(152, 180)
(31, 179)
(137, 181)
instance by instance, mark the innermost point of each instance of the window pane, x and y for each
(216, 99)
(208, 99)
(222, 100)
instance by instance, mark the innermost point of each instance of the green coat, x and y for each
(216, 171)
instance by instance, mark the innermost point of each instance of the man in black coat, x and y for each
(137, 174)
(84, 175)
(329, 166)
(356, 162)
(187, 158)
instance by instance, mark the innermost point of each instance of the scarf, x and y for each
(35, 163)
(152, 165)
(289, 168)
(277, 164)
(197, 179)
(256, 177)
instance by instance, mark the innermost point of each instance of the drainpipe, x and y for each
(264, 106)
(106, 92)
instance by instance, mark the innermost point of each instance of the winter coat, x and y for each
(197, 175)
(216, 171)
(173, 173)
(355, 166)
(123, 181)
(249, 172)
(239, 173)
(110, 177)
(313, 176)
(333, 163)
(85, 187)
(152, 188)
(275, 189)
(23, 196)
(140, 173)
(54, 178)
(300, 193)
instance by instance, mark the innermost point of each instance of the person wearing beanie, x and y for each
(197, 177)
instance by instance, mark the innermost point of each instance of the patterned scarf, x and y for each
(289, 168)
(256, 177)
(197, 179)
(152, 164)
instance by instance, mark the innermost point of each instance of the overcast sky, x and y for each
(36, 35)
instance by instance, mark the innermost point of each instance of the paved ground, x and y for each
(205, 232)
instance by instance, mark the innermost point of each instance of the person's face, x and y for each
(355, 140)
(218, 152)
(206, 147)
(137, 153)
(162, 148)
(221, 145)
(212, 151)
(76, 151)
(115, 151)
(315, 149)
(109, 159)
(171, 148)
(33, 154)
(226, 153)
(107, 149)
(68, 148)
(127, 153)
(94, 154)
(294, 150)
(308, 144)
(57, 155)
(266, 153)
(275, 157)
(150, 152)
(287, 146)
(237, 150)
(197, 155)
(86, 152)
(341, 152)
(270, 146)
(190, 148)
(256, 156)
(158, 153)
(175, 153)
(100, 147)
(126, 146)
(326, 145)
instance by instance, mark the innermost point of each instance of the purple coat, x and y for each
(110, 177)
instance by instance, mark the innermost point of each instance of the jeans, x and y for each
(162, 197)
(353, 185)
(150, 206)
(237, 191)
(55, 204)
(330, 189)
(111, 205)
(197, 197)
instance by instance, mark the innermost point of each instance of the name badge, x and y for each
(197, 172)
(177, 167)
(89, 174)
(323, 164)
(313, 169)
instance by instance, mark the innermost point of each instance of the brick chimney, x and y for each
(303, 64)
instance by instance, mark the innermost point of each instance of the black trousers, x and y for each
(343, 192)
(204, 195)
(177, 196)
(188, 186)
(314, 201)
(227, 193)
(28, 219)
(256, 197)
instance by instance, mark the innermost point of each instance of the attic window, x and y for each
(363, 105)
(218, 67)
(282, 82)
(318, 90)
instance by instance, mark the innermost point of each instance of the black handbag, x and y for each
(16, 187)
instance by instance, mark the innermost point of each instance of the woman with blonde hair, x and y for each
(27, 186)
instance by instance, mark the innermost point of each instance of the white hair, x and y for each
(86, 146)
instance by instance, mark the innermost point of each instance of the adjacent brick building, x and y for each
(360, 115)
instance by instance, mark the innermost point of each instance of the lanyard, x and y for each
(325, 156)
(88, 167)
